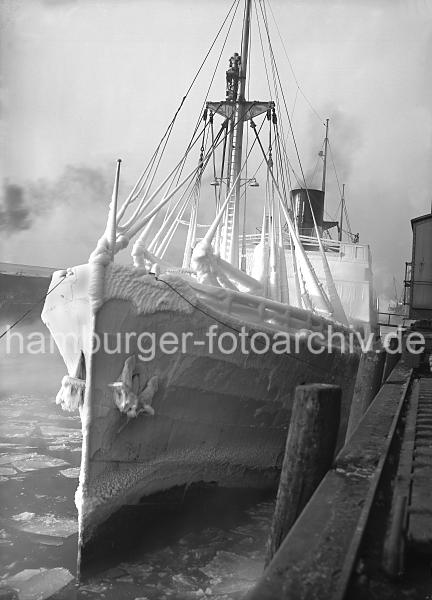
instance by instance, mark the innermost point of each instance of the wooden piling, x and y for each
(368, 383)
(309, 451)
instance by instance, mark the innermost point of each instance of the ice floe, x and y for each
(231, 573)
(48, 525)
(39, 584)
(7, 471)
(72, 472)
(33, 462)
(5, 539)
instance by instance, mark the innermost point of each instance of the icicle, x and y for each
(283, 273)
(284, 289)
(261, 264)
(260, 260)
(274, 267)
(71, 394)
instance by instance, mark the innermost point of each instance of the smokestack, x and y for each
(303, 210)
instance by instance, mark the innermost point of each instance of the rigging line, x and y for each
(172, 180)
(214, 227)
(292, 69)
(277, 102)
(188, 191)
(314, 172)
(227, 325)
(144, 202)
(170, 127)
(339, 187)
(196, 194)
(312, 272)
(294, 103)
(280, 159)
(284, 99)
(347, 218)
(211, 47)
(189, 147)
(32, 308)
(334, 168)
(276, 92)
(262, 49)
(165, 199)
(214, 155)
(215, 69)
(243, 246)
(138, 187)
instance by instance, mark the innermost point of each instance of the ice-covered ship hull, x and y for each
(155, 420)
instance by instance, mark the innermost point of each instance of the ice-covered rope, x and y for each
(144, 220)
(209, 236)
(337, 307)
(146, 201)
(139, 244)
(173, 214)
(307, 267)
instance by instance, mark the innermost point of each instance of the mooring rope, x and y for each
(32, 308)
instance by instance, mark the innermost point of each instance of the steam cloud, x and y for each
(15, 214)
(42, 216)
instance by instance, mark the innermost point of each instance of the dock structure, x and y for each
(372, 512)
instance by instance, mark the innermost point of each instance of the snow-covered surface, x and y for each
(145, 292)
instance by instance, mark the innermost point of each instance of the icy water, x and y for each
(206, 544)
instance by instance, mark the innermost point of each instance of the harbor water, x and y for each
(198, 543)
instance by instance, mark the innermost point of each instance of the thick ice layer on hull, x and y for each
(210, 416)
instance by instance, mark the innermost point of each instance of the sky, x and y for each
(87, 81)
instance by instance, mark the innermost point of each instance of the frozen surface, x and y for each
(129, 283)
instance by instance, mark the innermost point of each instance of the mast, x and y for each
(239, 127)
(325, 157)
(237, 110)
(341, 212)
